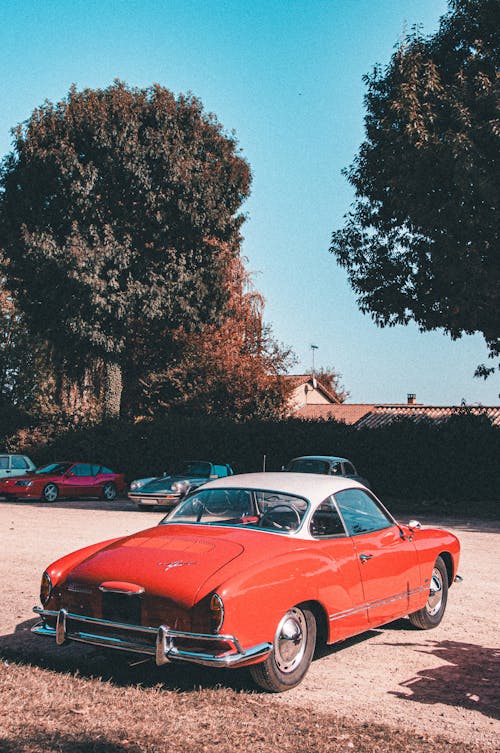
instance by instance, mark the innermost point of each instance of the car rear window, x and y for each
(301, 465)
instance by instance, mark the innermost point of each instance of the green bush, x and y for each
(457, 460)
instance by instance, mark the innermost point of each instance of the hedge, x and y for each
(458, 460)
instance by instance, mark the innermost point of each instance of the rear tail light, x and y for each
(216, 613)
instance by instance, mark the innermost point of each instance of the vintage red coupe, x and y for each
(252, 570)
(64, 479)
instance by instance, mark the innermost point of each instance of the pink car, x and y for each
(64, 479)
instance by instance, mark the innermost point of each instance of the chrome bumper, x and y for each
(155, 501)
(77, 627)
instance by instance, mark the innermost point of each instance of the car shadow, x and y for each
(120, 668)
(468, 678)
(324, 649)
(124, 669)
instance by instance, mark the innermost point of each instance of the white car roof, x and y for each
(313, 486)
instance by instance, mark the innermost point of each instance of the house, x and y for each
(305, 390)
(311, 400)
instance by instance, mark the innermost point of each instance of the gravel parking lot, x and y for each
(442, 682)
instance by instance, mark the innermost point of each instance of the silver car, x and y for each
(329, 465)
(15, 465)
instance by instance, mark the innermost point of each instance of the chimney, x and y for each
(412, 398)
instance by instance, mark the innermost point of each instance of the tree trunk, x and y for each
(112, 389)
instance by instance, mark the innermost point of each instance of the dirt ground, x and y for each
(444, 682)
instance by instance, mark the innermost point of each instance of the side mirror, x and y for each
(414, 524)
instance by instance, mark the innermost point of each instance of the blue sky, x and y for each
(287, 78)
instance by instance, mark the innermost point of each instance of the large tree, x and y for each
(119, 212)
(421, 241)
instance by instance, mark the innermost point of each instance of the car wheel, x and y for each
(292, 652)
(50, 493)
(109, 491)
(432, 613)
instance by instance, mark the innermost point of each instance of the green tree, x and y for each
(20, 356)
(421, 241)
(119, 211)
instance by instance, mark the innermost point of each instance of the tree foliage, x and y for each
(421, 241)
(22, 361)
(330, 378)
(232, 369)
(119, 212)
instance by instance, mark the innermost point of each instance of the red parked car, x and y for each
(65, 479)
(252, 570)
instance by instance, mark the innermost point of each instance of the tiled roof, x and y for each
(295, 380)
(371, 415)
(349, 413)
(386, 414)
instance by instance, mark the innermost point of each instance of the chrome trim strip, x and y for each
(377, 603)
(164, 649)
(107, 590)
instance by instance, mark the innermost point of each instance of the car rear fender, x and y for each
(59, 569)
(256, 599)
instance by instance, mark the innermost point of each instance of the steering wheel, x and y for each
(268, 519)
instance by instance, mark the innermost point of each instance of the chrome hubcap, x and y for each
(290, 640)
(109, 492)
(435, 594)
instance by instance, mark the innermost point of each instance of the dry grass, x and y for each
(43, 711)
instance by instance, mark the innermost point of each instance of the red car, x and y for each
(64, 479)
(252, 570)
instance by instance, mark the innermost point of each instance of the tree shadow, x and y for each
(468, 679)
(33, 738)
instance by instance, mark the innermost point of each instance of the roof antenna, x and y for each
(314, 382)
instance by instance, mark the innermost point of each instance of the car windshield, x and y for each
(257, 508)
(193, 469)
(308, 465)
(54, 468)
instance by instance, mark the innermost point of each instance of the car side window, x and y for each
(220, 471)
(336, 469)
(19, 463)
(82, 469)
(326, 520)
(360, 512)
(349, 469)
(4, 462)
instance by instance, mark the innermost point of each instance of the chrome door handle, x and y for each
(365, 557)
